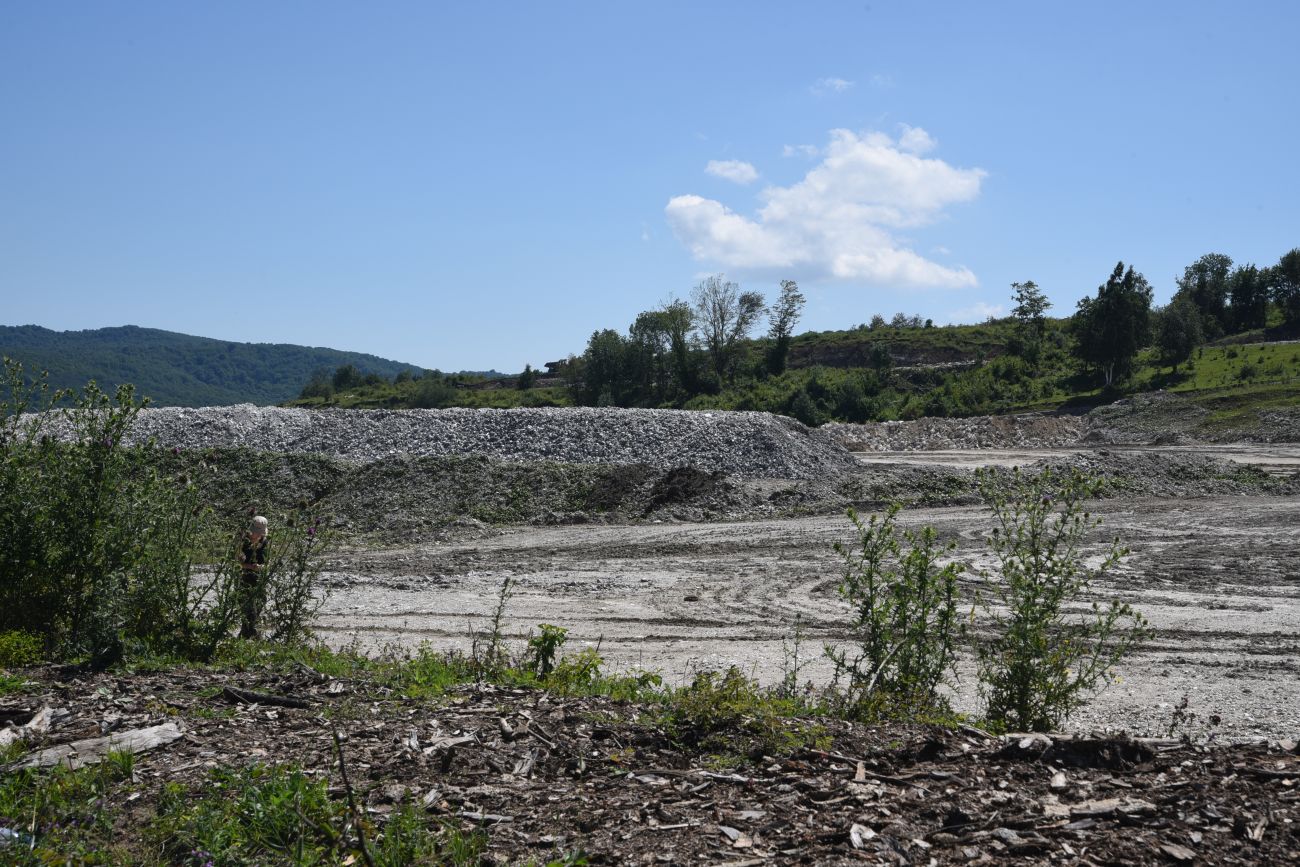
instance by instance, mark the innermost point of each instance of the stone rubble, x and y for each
(744, 445)
(1030, 430)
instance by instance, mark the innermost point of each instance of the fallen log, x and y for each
(92, 750)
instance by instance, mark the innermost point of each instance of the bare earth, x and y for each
(1219, 579)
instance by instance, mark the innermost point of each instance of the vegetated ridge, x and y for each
(175, 369)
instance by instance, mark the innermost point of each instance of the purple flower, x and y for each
(311, 531)
(176, 450)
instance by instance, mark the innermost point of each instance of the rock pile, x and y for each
(745, 445)
(937, 434)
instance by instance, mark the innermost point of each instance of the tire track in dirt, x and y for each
(1218, 577)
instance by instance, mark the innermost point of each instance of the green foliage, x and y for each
(904, 617)
(1178, 331)
(543, 648)
(105, 552)
(1040, 661)
(724, 316)
(782, 318)
(1205, 285)
(1111, 328)
(1284, 288)
(19, 648)
(60, 816)
(730, 713)
(283, 815)
(1030, 313)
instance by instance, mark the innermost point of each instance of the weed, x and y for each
(730, 713)
(489, 652)
(62, 815)
(1039, 664)
(904, 617)
(543, 648)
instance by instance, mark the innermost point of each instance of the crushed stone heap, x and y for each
(1029, 430)
(746, 445)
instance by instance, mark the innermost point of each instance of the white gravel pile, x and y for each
(747, 445)
(942, 434)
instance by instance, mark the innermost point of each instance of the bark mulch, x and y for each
(546, 774)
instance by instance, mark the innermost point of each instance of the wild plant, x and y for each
(905, 624)
(1040, 661)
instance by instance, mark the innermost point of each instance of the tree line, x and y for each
(686, 348)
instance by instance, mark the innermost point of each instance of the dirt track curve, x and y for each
(1219, 579)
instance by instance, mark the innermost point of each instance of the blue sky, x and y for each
(483, 185)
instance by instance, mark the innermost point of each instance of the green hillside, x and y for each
(179, 369)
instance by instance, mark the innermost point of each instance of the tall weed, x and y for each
(1042, 659)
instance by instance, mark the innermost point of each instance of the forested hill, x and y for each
(179, 369)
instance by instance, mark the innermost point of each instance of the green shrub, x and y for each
(1040, 662)
(543, 648)
(105, 553)
(19, 648)
(730, 713)
(904, 618)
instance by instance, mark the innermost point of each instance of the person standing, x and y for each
(252, 585)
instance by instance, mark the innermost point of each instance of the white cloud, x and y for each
(804, 150)
(915, 140)
(977, 312)
(836, 223)
(830, 85)
(737, 171)
(882, 81)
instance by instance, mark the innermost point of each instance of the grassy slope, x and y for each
(975, 376)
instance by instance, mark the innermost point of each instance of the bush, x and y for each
(18, 648)
(904, 618)
(103, 552)
(1039, 663)
(433, 392)
(730, 713)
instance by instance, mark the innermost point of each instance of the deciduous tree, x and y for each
(724, 316)
(1031, 320)
(782, 317)
(1205, 284)
(1111, 328)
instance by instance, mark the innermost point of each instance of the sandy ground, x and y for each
(1219, 579)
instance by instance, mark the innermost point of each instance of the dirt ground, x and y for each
(544, 775)
(1219, 579)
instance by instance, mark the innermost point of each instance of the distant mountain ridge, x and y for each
(174, 369)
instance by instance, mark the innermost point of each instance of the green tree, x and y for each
(346, 377)
(527, 379)
(1178, 331)
(318, 386)
(724, 316)
(1284, 287)
(606, 375)
(1206, 284)
(782, 317)
(1031, 320)
(1111, 328)
(1248, 297)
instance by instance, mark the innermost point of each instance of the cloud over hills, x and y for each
(838, 222)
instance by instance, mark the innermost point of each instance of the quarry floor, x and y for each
(1218, 578)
